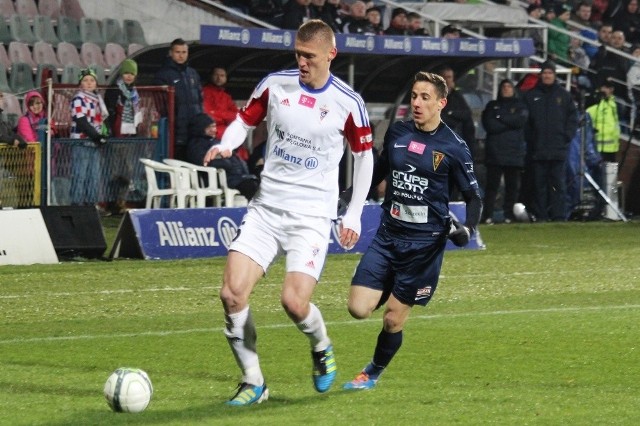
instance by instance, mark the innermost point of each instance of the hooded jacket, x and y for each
(28, 123)
(504, 120)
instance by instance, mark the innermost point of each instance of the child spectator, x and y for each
(35, 112)
(123, 101)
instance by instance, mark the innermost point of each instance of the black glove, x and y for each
(343, 201)
(21, 143)
(459, 234)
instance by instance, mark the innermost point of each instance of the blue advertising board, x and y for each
(208, 232)
(372, 44)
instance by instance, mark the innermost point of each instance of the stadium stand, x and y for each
(50, 8)
(72, 9)
(21, 78)
(91, 54)
(5, 32)
(4, 80)
(43, 53)
(4, 57)
(133, 47)
(69, 55)
(20, 52)
(26, 8)
(133, 32)
(70, 74)
(112, 31)
(20, 28)
(43, 30)
(7, 8)
(114, 54)
(69, 31)
(90, 31)
(45, 71)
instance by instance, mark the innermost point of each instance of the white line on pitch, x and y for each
(330, 323)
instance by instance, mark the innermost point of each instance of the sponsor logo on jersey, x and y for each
(310, 264)
(416, 147)
(279, 132)
(307, 101)
(437, 159)
(423, 293)
(285, 102)
(282, 153)
(396, 145)
(323, 112)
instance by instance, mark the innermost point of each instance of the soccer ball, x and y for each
(520, 213)
(128, 390)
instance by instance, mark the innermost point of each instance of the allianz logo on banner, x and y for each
(174, 233)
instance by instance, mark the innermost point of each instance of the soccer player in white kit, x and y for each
(309, 113)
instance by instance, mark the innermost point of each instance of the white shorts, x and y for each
(265, 233)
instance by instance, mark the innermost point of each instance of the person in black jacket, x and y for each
(504, 120)
(188, 92)
(553, 121)
(202, 136)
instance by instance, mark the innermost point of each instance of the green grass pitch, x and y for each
(540, 328)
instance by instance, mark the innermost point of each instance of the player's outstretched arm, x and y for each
(351, 226)
(232, 138)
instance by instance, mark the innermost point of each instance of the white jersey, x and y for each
(306, 131)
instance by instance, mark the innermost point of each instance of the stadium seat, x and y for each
(26, 8)
(43, 53)
(229, 193)
(43, 72)
(133, 32)
(4, 57)
(114, 54)
(12, 108)
(5, 32)
(44, 31)
(72, 9)
(204, 180)
(68, 31)
(20, 28)
(50, 8)
(90, 53)
(112, 31)
(90, 32)
(179, 189)
(7, 8)
(68, 54)
(20, 52)
(21, 78)
(70, 74)
(4, 80)
(133, 48)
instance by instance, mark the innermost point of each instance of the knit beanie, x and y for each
(85, 72)
(129, 66)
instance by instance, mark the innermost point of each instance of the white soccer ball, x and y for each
(520, 213)
(128, 390)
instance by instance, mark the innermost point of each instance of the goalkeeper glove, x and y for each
(459, 234)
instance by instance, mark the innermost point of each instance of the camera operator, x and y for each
(606, 122)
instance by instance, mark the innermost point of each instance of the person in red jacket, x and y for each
(217, 103)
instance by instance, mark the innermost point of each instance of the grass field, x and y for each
(542, 327)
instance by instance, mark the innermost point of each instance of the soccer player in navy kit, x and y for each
(421, 159)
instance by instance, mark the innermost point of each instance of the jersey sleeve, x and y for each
(359, 137)
(256, 109)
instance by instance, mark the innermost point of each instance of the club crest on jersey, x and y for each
(437, 159)
(323, 112)
(416, 147)
(279, 132)
(307, 101)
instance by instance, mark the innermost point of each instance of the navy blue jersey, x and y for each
(420, 169)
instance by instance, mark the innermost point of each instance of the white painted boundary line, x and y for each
(329, 323)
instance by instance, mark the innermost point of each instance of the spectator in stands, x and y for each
(415, 27)
(7, 134)
(358, 22)
(553, 121)
(618, 41)
(34, 115)
(558, 44)
(123, 104)
(450, 31)
(218, 104)
(176, 72)
(88, 115)
(398, 24)
(374, 15)
(270, 11)
(633, 85)
(582, 14)
(628, 21)
(457, 114)
(327, 11)
(504, 119)
(606, 123)
(598, 8)
(202, 136)
(536, 34)
(296, 12)
(580, 63)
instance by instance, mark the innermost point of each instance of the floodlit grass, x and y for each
(540, 328)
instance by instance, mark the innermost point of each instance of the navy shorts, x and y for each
(407, 269)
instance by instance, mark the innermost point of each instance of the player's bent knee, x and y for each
(231, 300)
(358, 311)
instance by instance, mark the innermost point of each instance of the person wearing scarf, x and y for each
(123, 101)
(30, 123)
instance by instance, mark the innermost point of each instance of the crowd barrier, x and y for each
(20, 176)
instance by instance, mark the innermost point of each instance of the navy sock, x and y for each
(386, 348)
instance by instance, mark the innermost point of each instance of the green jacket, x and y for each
(604, 116)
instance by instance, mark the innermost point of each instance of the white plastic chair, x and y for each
(229, 193)
(179, 185)
(203, 189)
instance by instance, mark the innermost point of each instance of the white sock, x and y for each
(313, 326)
(241, 335)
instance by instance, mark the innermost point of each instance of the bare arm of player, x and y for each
(350, 226)
(232, 138)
